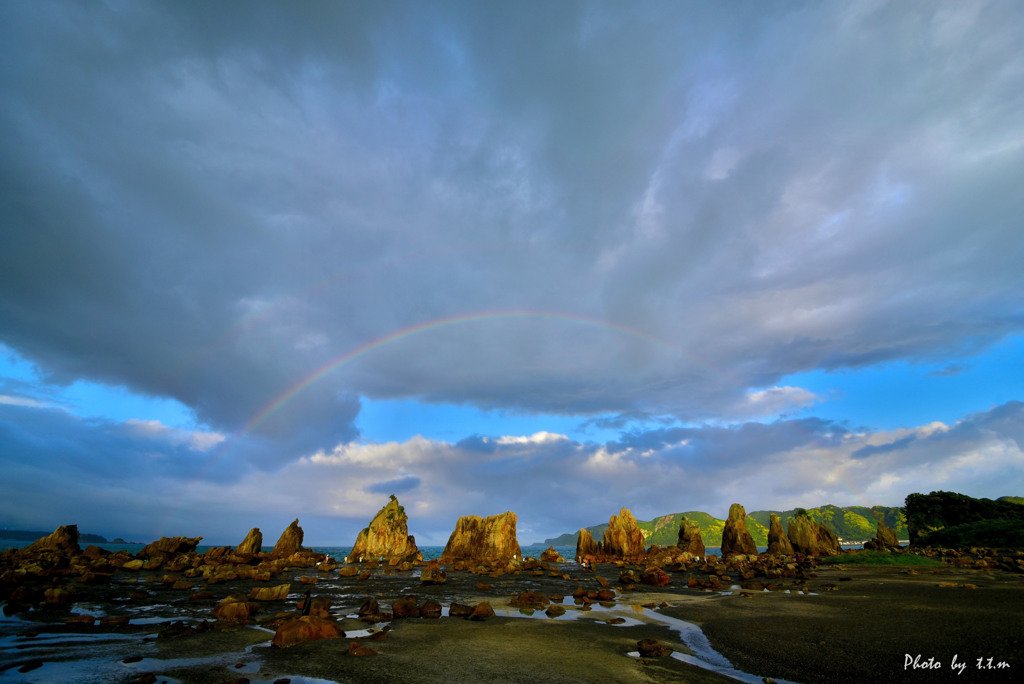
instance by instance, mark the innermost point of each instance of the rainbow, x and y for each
(274, 405)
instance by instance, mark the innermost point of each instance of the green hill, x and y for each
(850, 523)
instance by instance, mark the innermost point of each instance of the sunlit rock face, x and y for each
(64, 539)
(586, 547)
(169, 546)
(253, 542)
(290, 541)
(736, 537)
(623, 538)
(483, 540)
(387, 536)
(885, 538)
(809, 538)
(778, 542)
(690, 539)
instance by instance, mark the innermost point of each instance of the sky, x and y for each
(269, 261)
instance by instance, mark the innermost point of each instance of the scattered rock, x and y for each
(278, 593)
(305, 628)
(406, 607)
(652, 648)
(357, 649)
(430, 609)
(482, 611)
(460, 610)
(433, 574)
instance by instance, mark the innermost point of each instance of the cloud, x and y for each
(659, 210)
(303, 194)
(555, 485)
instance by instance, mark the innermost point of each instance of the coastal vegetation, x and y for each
(849, 523)
(956, 520)
(881, 558)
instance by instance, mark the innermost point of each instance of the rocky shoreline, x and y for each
(171, 614)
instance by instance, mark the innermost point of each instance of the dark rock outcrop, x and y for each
(736, 537)
(290, 541)
(166, 547)
(690, 540)
(387, 536)
(623, 538)
(62, 540)
(778, 541)
(483, 540)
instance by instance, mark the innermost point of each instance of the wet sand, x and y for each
(859, 632)
(865, 630)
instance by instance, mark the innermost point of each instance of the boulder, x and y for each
(529, 599)
(169, 546)
(430, 609)
(655, 577)
(370, 609)
(778, 542)
(549, 555)
(305, 628)
(483, 540)
(253, 542)
(406, 607)
(652, 648)
(586, 547)
(460, 610)
(278, 593)
(62, 540)
(357, 649)
(235, 609)
(735, 536)
(690, 540)
(482, 611)
(555, 610)
(387, 537)
(623, 538)
(433, 574)
(290, 541)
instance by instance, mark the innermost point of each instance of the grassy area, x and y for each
(881, 558)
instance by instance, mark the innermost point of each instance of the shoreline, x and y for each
(839, 624)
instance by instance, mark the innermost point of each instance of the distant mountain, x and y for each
(26, 535)
(850, 524)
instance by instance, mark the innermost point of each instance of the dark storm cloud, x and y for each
(213, 202)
